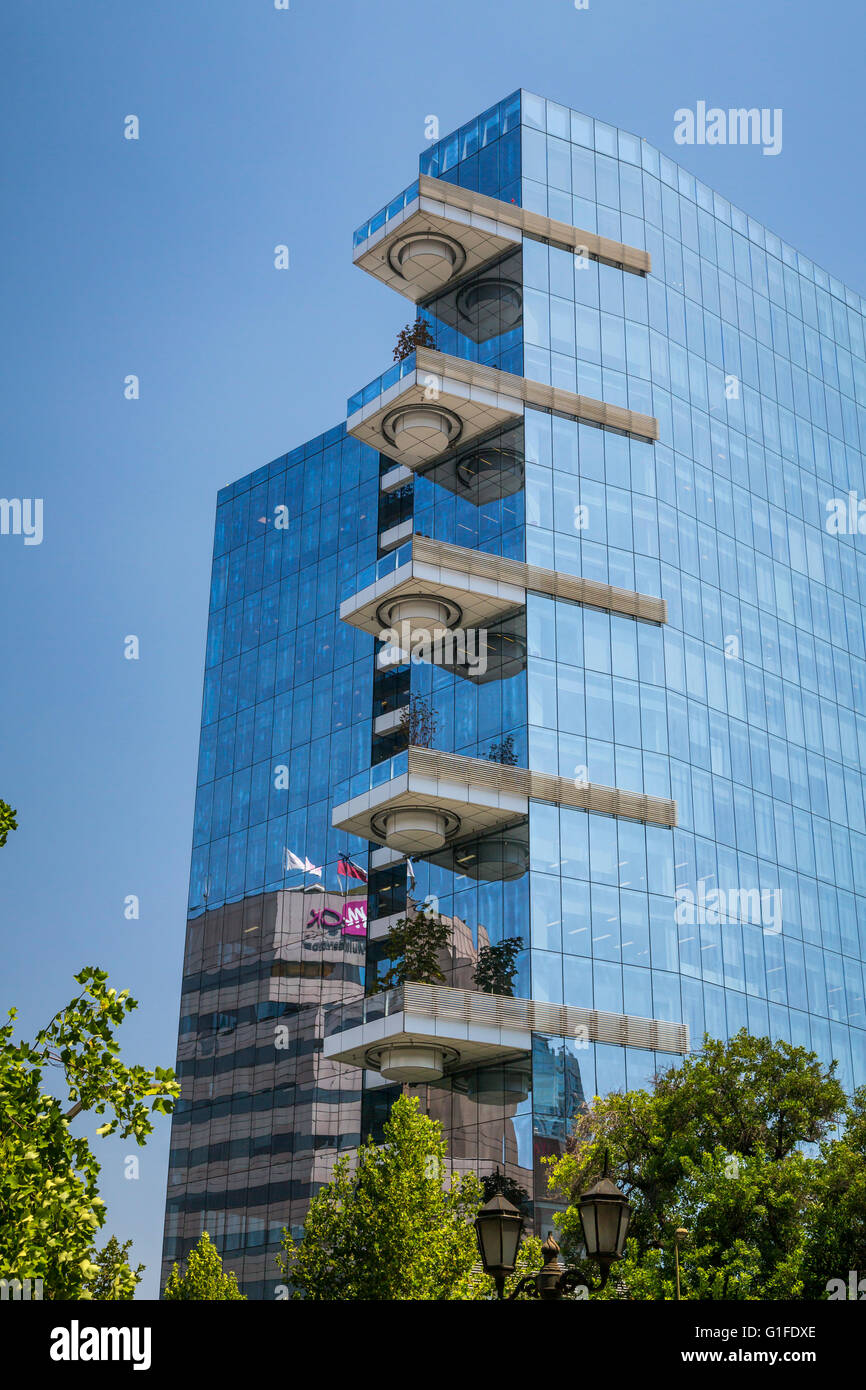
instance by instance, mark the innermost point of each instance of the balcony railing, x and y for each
(385, 214)
(476, 1010)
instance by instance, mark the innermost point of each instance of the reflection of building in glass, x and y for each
(607, 483)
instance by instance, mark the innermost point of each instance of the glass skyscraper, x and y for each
(561, 633)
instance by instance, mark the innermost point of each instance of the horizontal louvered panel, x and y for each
(529, 1015)
(443, 367)
(543, 786)
(601, 248)
(553, 582)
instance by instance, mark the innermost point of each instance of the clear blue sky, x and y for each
(155, 257)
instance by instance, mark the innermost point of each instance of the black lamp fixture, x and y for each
(604, 1216)
(499, 1228)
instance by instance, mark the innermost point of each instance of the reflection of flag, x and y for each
(410, 869)
(350, 870)
(291, 861)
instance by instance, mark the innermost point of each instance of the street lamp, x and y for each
(499, 1227)
(604, 1216)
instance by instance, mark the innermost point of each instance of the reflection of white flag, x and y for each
(291, 861)
(410, 868)
(311, 868)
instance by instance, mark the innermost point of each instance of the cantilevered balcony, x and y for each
(436, 232)
(423, 800)
(428, 588)
(431, 403)
(434, 588)
(420, 1033)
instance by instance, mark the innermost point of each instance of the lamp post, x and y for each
(604, 1216)
(679, 1234)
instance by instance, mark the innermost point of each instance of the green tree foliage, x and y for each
(50, 1208)
(203, 1280)
(717, 1146)
(499, 1184)
(116, 1279)
(396, 1227)
(414, 945)
(836, 1225)
(7, 821)
(497, 966)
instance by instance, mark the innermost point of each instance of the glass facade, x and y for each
(746, 706)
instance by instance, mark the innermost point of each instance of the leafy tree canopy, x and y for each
(203, 1280)
(414, 946)
(413, 336)
(396, 1226)
(7, 821)
(497, 966)
(740, 1146)
(50, 1208)
(116, 1280)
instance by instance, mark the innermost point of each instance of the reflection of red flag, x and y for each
(350, 870)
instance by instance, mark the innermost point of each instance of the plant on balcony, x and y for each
(414, 946)
(503, 752)
(413, 336)
(418, 722)
(497, 966)
(7, 821)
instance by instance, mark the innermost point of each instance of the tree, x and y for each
(418, 721)
(503, 752)
(499, 1184)
(746, 1240)
(398, 1227)
(50, 1208)
(715, 1146)
(115, 1279)
(203, 1279)
(497, 966)
(413, 336)
(7, 821)
(836, 1225)
(414, 946)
